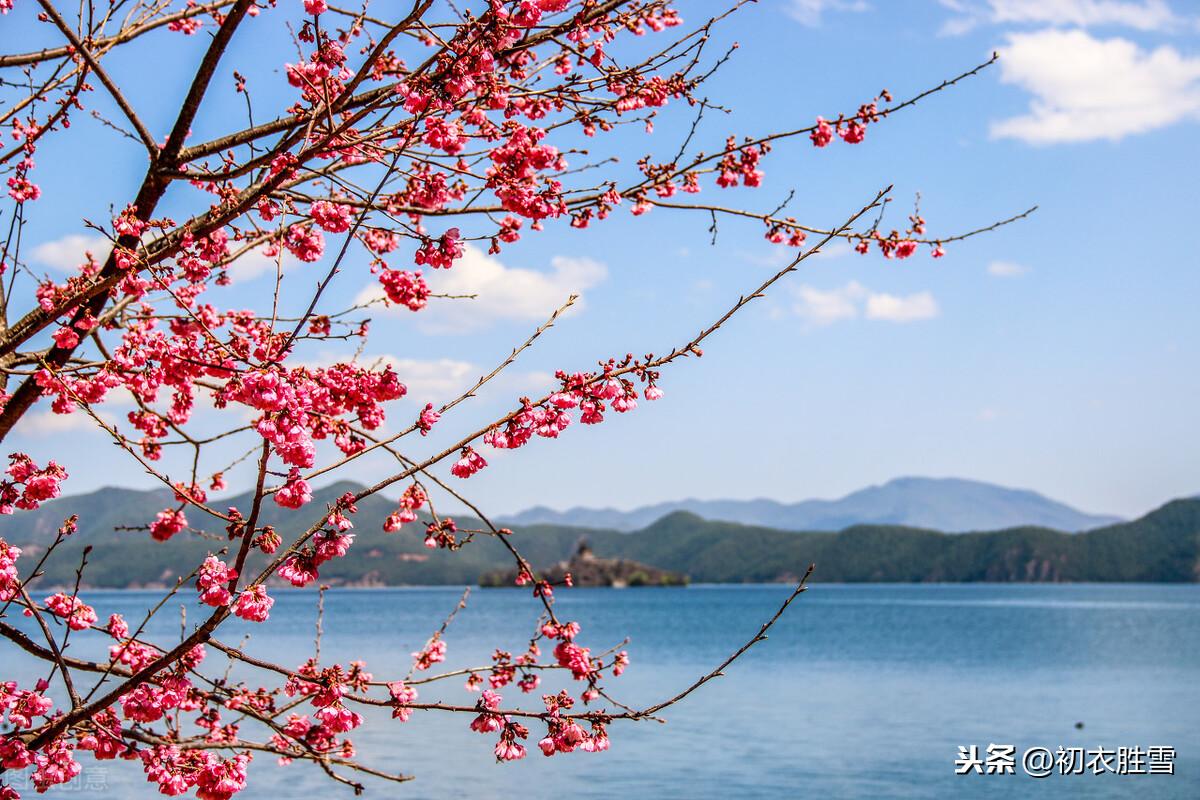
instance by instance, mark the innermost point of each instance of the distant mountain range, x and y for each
(1164, 545)
(950, 505)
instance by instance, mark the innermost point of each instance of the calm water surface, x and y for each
(861, 691)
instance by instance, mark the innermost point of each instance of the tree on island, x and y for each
(392, 145)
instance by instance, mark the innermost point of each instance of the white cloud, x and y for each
(503, 294)
(838, 248)
(534, 382)
(1146, 15)
(1007, 269)
(958, 26)
(434, 381)
(808, 12)
(777, 256)
(819, 307)
(47, 423)
(909, 308)
(1085, 88)
(254, 263)
(427, 380)
(969, 18)
(441, 380)
(69, 252)
(827, 306)
(1143, 15)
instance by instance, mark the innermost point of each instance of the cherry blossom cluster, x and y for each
(23, 706)
(329, 543)
(302, 404)
(405, 288)
(254, 604)
(295, 492)
(176, 771)
(28, 485)
(103, 742)
(332, 217)
(490, 720)
(149, 702)
(589, 393)
(213, 582)
(441, 534)
(440, 252)
(741, 165)
(402, 696)
(77, 614)
(468, 464)
(20, 188)
(55, 765)
(434, 652)
(304, 242)
(10, 583)
(427, 419)
(567, 653)
(852, 130)
(301, 733)
(567, 735)
(411, 501)
(325, 689)
(895, 245)
(505, 669)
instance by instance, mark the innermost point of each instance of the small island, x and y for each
(587, 569)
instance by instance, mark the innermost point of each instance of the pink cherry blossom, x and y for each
(295, 492)
(212, 582)
(79, 615)
(822, 134)
(405, 288)
(10, 583)
(468, 464)
(167, 524)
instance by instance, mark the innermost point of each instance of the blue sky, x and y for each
(1058, 353)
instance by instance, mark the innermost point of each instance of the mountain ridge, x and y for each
(949, 505)
(1162, 546)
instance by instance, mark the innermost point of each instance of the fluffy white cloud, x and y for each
(502, 293)
(1006, 269)
(906, 308)
(827, 306)
(820, 307)
(428, 380)
(808, 12)
(434, 381)
(1086, 88)
(47, 423)
(838, 248)
(67, 253)
(1143, 15)
(1146, 15)
(254, 263)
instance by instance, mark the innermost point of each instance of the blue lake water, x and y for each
(861, 690)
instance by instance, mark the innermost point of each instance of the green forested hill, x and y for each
(1162, 546)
